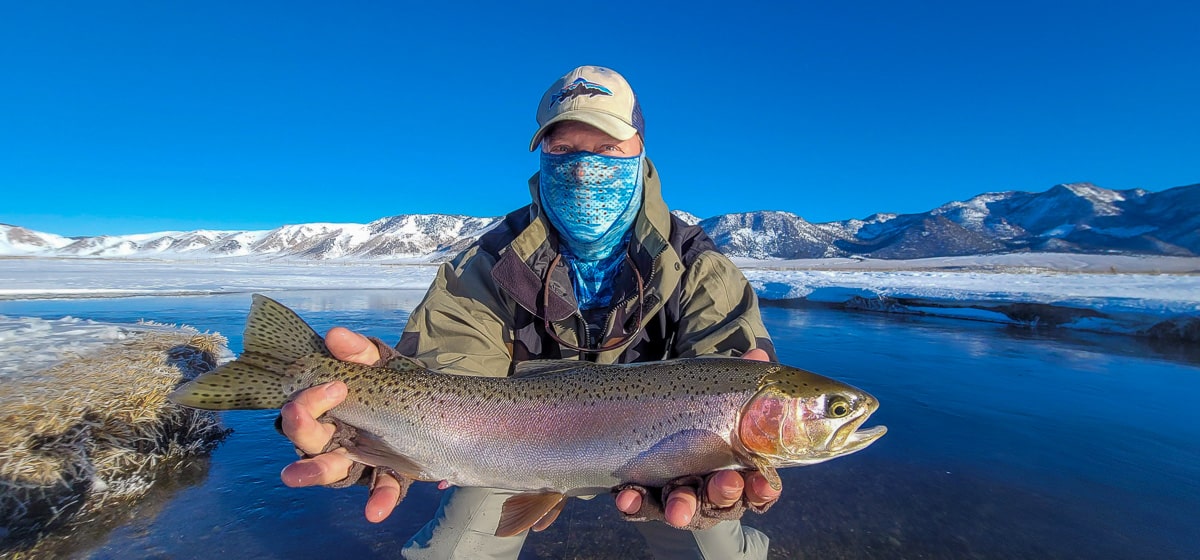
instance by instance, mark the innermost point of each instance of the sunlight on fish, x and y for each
(556, 428)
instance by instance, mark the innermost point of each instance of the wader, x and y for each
(465, 521)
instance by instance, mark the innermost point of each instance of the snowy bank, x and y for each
(1153, 296)
(1163, 306)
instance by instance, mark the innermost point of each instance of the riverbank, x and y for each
(88, 427)
(1121, 294)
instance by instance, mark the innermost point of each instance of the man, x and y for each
(596, 269)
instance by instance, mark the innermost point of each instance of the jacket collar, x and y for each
(521, 269)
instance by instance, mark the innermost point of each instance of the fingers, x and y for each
(383, 499)
(326, 468)
(629, 501)
(349, 346)
(725, 488)
(300, 416)
(681, 507)
(758, 491)
(758, 355)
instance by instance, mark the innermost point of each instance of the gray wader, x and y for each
(465, 521)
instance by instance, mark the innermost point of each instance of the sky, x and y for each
(132, 117)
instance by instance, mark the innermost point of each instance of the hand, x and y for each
(724, 489)
(300, 425)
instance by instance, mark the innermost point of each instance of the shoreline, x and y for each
(1157, 297)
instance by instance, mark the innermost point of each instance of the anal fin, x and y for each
(524, 511)
(551, 516)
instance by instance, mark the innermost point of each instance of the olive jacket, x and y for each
(494, 304)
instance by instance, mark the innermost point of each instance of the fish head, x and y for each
(800, 418)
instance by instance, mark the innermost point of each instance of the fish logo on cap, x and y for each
(579, 88)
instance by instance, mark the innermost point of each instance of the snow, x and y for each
(25, 278)
(1102, 198)
(313, 241)
(1009, 262)
(1130, 293)
(1060, 231)
(29, 345)
(1154, 294)
(687, 217)
(1133, 292)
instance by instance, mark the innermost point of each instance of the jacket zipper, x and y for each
(586, 336)
(609, 316)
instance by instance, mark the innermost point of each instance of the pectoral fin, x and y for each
(768, 472)
(370, 450)
(525, 511)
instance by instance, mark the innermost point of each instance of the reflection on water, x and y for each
(114, 522)
(1002, 443)
(372, 301)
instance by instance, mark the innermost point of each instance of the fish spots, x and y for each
(572, 427)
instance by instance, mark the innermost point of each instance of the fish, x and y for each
(579, 88)
(556, 428)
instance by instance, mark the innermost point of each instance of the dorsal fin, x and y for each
(535, 368)
(276, 336)
(523, 511)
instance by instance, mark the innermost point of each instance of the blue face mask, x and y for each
(591, 200)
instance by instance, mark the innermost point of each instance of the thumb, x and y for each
(757, 354)
(349, 346)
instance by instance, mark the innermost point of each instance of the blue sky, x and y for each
(128, 117)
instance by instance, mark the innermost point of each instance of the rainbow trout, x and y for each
(556, 428)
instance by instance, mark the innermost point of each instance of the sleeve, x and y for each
(719, 311)
(461, 326)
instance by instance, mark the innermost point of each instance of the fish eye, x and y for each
(838, 407)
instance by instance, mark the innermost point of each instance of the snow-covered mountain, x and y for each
(422, 237)
(687, 217)
(1074, 218)
(1069, 218)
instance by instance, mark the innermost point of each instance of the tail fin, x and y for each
(275, 337)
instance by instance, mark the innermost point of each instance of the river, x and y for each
(1002, 443)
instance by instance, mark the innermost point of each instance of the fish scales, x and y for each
(585, 429)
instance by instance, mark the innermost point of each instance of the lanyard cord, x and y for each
(610, 346)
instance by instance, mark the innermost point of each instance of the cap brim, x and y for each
(606, 122)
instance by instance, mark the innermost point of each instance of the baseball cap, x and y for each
(593, 95)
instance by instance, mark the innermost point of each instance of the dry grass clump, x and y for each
(91, 430)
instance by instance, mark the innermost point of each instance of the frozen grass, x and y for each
(94, 430)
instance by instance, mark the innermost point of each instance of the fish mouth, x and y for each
(850, 438)
(859, 439)
(846, 440)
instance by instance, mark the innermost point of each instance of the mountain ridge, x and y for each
(1069, 217)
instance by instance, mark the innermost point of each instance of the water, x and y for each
(1002, 444)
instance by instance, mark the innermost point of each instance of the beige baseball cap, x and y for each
(593, 95)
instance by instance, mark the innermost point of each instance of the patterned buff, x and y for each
(592, 200)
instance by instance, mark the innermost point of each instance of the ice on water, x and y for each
(1153, 287)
